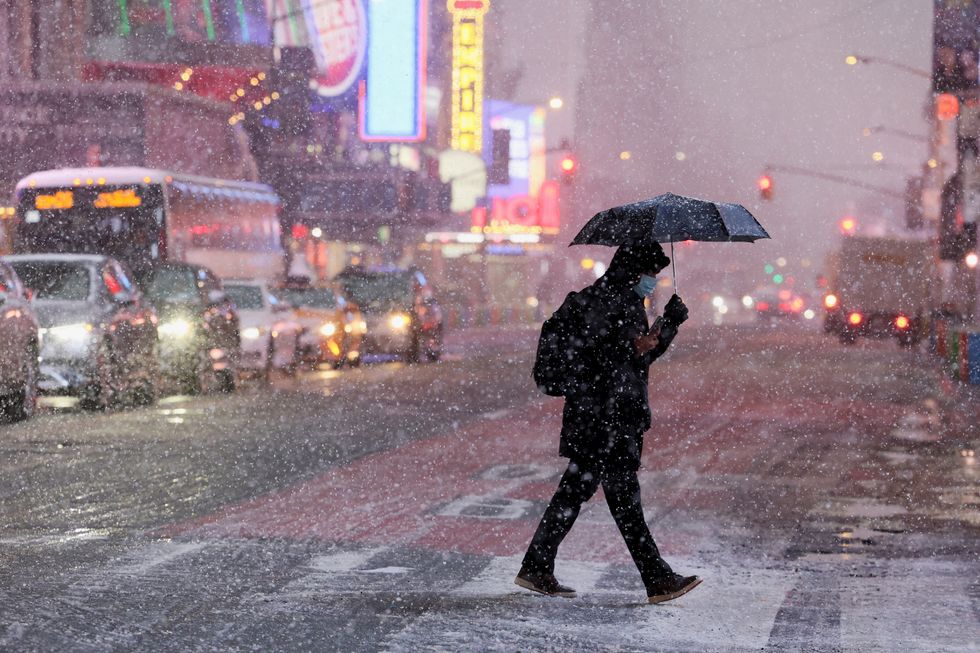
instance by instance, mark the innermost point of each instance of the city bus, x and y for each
(143, 216)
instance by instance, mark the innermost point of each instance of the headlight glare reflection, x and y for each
(399, 321)
(77, 331)
(178, 328)
(251, 333)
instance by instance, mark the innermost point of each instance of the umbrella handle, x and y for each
(673, 267)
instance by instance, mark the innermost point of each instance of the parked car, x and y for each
(198, 326)
(332, 327)
(402, 314)
(18, 348)
(270, 333)
(98, 334)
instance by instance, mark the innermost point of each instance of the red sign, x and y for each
(339, 34)
(520, 213)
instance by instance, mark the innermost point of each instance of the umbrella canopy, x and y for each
(670, 218)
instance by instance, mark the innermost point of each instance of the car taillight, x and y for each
(855, 318)
(830, 301)
(901, 322)
(762, 306)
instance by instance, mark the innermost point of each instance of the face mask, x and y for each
(645, 286)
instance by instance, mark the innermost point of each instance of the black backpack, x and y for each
(560, 365)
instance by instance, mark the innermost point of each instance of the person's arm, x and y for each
(663, 330)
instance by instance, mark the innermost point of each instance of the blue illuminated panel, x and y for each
(392, 102)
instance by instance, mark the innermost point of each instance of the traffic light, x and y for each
(500, 159)
(569, 168)
(765, 187)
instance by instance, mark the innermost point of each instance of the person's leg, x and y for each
(577, 486)
(622, 490)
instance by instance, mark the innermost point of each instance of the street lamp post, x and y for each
(880, 129)
(855, 59)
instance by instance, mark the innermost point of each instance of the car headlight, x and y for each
(399, 321)
(328, 329)
(77, 331)
(179, 328)
(252, 333)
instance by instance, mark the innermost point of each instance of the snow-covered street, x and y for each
(837, 511)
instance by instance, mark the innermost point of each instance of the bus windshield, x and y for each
(118, 221)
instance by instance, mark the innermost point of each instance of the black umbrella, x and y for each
(670, 217)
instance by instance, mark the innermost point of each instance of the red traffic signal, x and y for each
(765, 187)
(568, 166)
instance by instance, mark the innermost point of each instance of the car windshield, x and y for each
(169, 284)
(247, 298)
(312, 297)
(56, 280)
(378, 290)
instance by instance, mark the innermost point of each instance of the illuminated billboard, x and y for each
(180, 21)
(527, 165)
(466, 100)
(334, 30)
(392, 98)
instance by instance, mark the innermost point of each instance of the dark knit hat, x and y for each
(640, 258)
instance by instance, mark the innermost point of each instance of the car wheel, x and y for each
(265, 374)
(100, 394)
(227, 380)
(145, 394)
(433, 349)
(22, 405)
(195, 380)
(295, 360)
(414, 351)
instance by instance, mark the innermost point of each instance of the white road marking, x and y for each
(496, 414)
(341, 561)
(154, 555)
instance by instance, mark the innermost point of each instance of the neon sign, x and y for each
(117, 199)
(467, 89)
(63, 199)
(392, 98)
(520, 214)
(339, 40)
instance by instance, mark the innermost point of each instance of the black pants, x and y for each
(622, 490)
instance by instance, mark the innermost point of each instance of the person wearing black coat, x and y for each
(604, 419)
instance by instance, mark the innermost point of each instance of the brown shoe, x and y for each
(544, 583)
(671, 587)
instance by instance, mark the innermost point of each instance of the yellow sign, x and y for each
(467, 89)
(118, 199)
(63, 199)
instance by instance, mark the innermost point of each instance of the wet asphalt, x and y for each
(818, 488)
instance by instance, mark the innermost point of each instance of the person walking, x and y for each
(604, 419)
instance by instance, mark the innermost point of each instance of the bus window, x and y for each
(84, 221)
